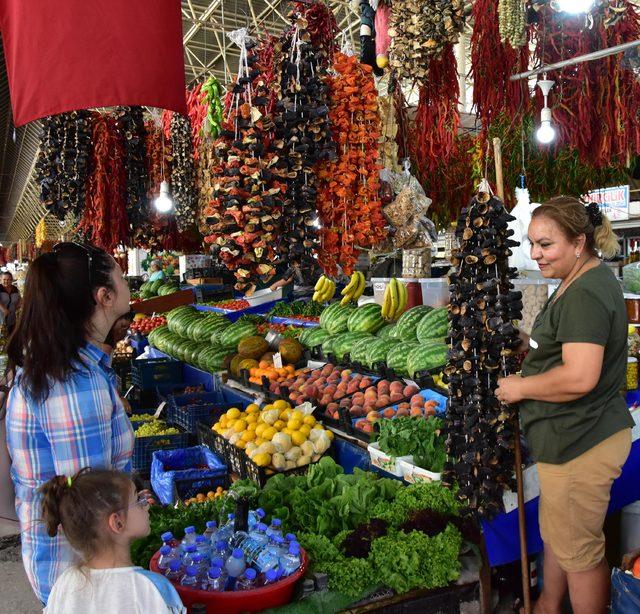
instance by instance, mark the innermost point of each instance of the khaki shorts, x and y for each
(574, 498)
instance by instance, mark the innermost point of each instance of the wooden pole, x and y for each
(524, 557)
(497, 157)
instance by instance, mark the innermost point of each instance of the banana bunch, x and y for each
(353, 291)
(395, 300)
(324, 290)
(438, 381)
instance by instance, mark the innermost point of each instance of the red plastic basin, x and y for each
(256, 600)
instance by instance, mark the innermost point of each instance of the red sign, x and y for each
(64, 55)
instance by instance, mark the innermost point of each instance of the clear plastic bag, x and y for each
(631, 278)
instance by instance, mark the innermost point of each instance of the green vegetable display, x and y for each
(295, 308)
(153, 428)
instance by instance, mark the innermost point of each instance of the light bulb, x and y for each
(575, 7)
(546, 133)
(163, 202)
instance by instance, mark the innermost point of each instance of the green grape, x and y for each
(155, 428)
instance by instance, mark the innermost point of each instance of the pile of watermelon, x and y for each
(159, 287)
(202, 340)
(415, 343)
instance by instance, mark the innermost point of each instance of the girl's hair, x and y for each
(57, 308)
(574, 219)
(82, 503)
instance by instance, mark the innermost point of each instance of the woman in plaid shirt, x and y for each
(63, 412)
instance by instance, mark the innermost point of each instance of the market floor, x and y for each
(16, 596)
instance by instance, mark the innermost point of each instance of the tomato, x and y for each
(636, 568)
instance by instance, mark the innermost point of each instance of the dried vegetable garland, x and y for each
(182, 172)
(61, 167)
(130, 122)
(348, 192)
(213, 100)
(388, 146)
(483, 341)
(594, 103)
(104, 221)
(421, 31)
(244, 211)
(40, 233)
(197, 111)
(492, 63)
(513, 22)
(322, 28)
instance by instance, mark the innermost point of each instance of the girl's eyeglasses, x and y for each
(141, 501)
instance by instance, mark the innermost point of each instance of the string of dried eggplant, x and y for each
(182, 173)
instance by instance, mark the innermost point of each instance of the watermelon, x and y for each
(345, 342)
(427, 357)
(335, 320)
(217, 328)
(386, 332)
(205, 327)
(434, 325)
(408, 322)
(397, 356)
(234, 334)
(180, 323)
(212, 358)
(377, 351)
(359, 351)
(327, 344)
(366, 319)
(145, 287)
(315, 337)
(174, 313)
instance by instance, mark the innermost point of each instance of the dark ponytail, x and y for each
(57, 308)
(81, 503)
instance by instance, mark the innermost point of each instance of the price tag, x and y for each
(159, 410)
(277, 360)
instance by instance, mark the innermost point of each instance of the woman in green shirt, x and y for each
(574, 417)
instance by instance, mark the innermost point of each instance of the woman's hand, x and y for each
(509, 389)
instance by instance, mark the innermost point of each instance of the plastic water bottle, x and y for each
(255, 517)
(189, 554)
(201, 563)
(279, 545)
(217, 562)
(268, 558)
(165, 558)
(275, 528)
(269, 577)
(221, 550)
(190, 578)
(175, 571)
(189, 537)
(210, 531)
(226, 531)
(215, 580)
(290, 537)
(237, 540)
(169, 540)
(234, 567)
(290, 562)
(203, 546)
(247, 581)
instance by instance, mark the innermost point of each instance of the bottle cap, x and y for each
(175, 565)
(261, 513)
(237, 553)
(217, 562)
(276, 522)
(190, 530)
(279, 540)
(166, 537)
(211, 524)
(294, 549)
(197, 558)
(250, 574)
(201, 539)
(231, 516)
(165, 550)
(290, 537)
(190, 548)
(271, 575)
(220, 545)
(214, 572)
(192, 571)
(262, 527)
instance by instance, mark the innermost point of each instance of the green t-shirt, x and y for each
(591, 310)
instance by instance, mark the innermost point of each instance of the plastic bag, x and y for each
(625, 593)
(183, 464)
(631, 278)
(521, 258)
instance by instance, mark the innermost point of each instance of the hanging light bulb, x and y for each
(163, 202)
(575, 7)
(546, 132)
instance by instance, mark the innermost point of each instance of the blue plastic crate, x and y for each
(147, 373)
(186, 410)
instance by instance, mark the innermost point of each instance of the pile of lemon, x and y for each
(275, 436)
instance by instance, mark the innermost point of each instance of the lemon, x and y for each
(262, 460)
(330, 434)
(261, 428)
(288, 431)
(280, 405)
(241, 443)
(269, 433)
(267, 407)
(279, 424)
(294, 424)
(251, 419)
(259, 441)
(231, 422)
(252, 427)
(310, 420)
(248, 436)
(297, 415)
(298, 438)
(233, 413)
(319, 427)
(240, 425)
(285, 414)
(252, 409)
(306, 429)
(223, 419)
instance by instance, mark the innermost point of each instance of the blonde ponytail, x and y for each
(605, 240)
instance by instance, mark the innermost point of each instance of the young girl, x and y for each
(101, 513)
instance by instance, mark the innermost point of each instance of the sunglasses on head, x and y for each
(87, 249)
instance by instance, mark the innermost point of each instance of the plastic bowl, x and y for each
(259, 599)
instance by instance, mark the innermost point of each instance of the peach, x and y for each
(429, 411)
(367, 427)
(332, 407)
(345, 403)
(389, 413)
(326, 370)
(380, 404)
(415, 412)
(326, 399)
(396, 396)
(352, 387)
(373, 416)
(404, 406)
(365, 382)
(356, 411)
(396, 387)
(346, 373)
(417, 399)
(402, 411)
(385, 398)
(410, 390)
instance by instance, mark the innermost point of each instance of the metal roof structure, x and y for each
(207, 50)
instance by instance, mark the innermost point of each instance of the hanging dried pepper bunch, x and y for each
(513, 22)
(61, 167)
(322, 28)
(197, 112)
(213, 101)
(183, 172)
(130, 123)
(421, 31)
(479, 428)
(302, 135)
(594, 104)
(104, 222)
(348, 192)
(245, 207)
(492, 63)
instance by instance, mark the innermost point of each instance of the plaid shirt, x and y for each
(82, 423)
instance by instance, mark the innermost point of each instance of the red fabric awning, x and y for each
(64, 55)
